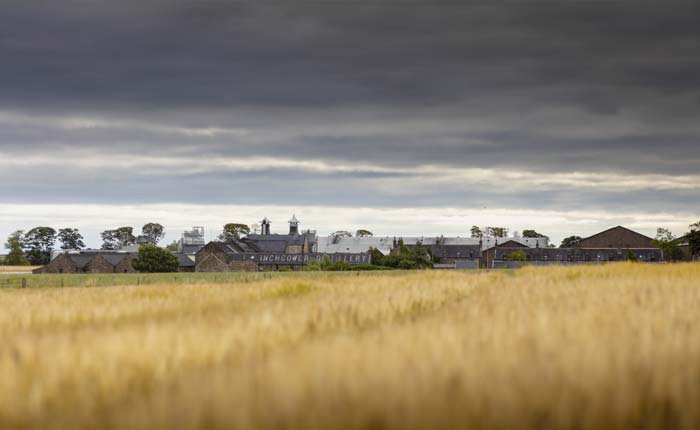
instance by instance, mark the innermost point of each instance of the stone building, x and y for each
(615, 244)
(90, 262)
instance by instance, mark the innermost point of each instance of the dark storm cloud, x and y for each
(537, 86)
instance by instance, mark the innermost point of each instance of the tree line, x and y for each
(34, 247)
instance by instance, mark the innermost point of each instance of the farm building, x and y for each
(90, 262)
(99, 261)
(615, 244)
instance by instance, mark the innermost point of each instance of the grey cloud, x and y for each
(537, 86)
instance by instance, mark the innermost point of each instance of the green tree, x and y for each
(154, 231)
(38, 244)
(363, 233)
(17, 236)
(668, 243)
(152, 259)
(532, 234)
(233, 231)
(174, 246)
(570, 242)
(118, 238)
(476, 232)
(519, 255)
(16, 256)
(70, 238)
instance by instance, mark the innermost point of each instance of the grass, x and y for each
(612, 346)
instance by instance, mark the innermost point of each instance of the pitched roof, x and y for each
(81, 260)
(619, 227)
(185, 260)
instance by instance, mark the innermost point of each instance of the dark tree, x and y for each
(532, 234)
(693, 237)
(38, 244)
(233, 231)
(570, 242)
(153, 231)
(70, 238)
(17, 236)
(152, 259)
(363, 233)
(497, 231)
(476, 232)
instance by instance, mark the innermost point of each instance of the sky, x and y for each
(405, 117)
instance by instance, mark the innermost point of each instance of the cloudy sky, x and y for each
(401, 116)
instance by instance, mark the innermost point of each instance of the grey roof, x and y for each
(277, 246)
(185, 260)
(80, 260)
(114, 259)
(290, 239)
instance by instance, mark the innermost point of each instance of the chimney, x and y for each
(265, 223)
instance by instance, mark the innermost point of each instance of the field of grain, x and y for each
(17, 269)
(614, 346)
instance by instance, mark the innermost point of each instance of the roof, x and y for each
(289, 239)
(185, 260)
(114, 259)
(619, 227)
(80, 260)
(294, 220)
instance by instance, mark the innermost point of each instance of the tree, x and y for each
(570, 242)
(233, 231)
(532, 234)
(693, 237)
(38, 244)
(153, 231)
(666, 241)
(476, 232)
(152, 259)
(70, 238)
(363, 233)
(174, 246)
(17, 236)
(118, 238)
(16, 256)
(519, 255)
(497, 231)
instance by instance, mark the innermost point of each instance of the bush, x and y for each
(152, 259)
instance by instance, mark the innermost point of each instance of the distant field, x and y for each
(26, 269)
(615, 346)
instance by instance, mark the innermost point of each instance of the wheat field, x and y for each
(613, 346)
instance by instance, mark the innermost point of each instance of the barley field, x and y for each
(17, 269)
(614, 346)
